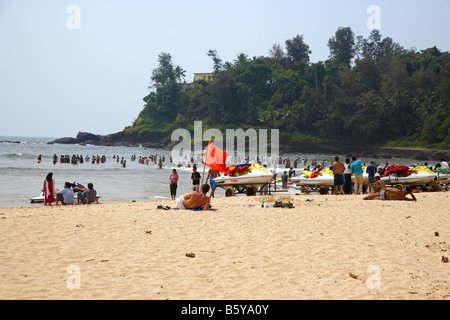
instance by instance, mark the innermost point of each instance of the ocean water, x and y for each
(22, 177)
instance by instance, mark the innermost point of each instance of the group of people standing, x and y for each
(343, 175)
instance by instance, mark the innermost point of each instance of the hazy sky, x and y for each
(56, 80)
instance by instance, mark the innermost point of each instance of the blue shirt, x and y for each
(357, 168)
(371, 169)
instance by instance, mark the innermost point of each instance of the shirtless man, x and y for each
(378, 185)
(338, 169)
(212, 173)
(392, 194)
(195, 200)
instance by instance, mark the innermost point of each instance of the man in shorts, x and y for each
(212, 174)
(338, 169)
(195, 179)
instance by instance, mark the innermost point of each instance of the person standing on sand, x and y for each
(173, 182)
(49, 189)
(338, 170)
(348, 177)
(357, 169)
(371, 170)
(212, 174)
(195, 176)
(284, 180)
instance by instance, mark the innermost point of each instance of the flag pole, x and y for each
(204, 164)
(203, 175)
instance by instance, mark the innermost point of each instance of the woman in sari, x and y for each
(49, 189)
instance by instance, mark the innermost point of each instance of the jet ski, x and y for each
(321, 177)
(77, 187)
(408, 175)
(244, 174)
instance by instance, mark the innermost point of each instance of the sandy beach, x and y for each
(334, 247)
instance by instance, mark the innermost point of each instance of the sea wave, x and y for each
(17, 155)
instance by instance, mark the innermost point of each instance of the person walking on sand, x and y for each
(212, 174)
(49, 189)
(338, 170)
(195, 200)
(173, 182)
(358, 171)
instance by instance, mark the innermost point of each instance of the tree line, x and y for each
(370, 91)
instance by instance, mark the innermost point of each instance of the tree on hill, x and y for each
(342, 46)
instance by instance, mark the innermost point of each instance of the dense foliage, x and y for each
(370, 91)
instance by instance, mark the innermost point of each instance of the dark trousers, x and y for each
(348, 183)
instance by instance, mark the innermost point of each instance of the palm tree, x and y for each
(240, 59)
(400, 101)
(180, 74)
(216, 60)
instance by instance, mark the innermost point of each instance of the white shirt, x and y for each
(347, 169)
(67, 194)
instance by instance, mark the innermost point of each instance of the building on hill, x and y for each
(203, 76)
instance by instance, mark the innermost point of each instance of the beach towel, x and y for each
(196, 209)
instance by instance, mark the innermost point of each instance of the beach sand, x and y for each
(335, 247)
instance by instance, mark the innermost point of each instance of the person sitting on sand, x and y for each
(378, 185)
(195, 200)
(88, 196)
(392, 194)
(66, 195)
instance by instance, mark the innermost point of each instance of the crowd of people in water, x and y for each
(76, 159)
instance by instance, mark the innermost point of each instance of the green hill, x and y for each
(370, 92)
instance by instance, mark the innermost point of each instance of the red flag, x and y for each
(216, 158)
